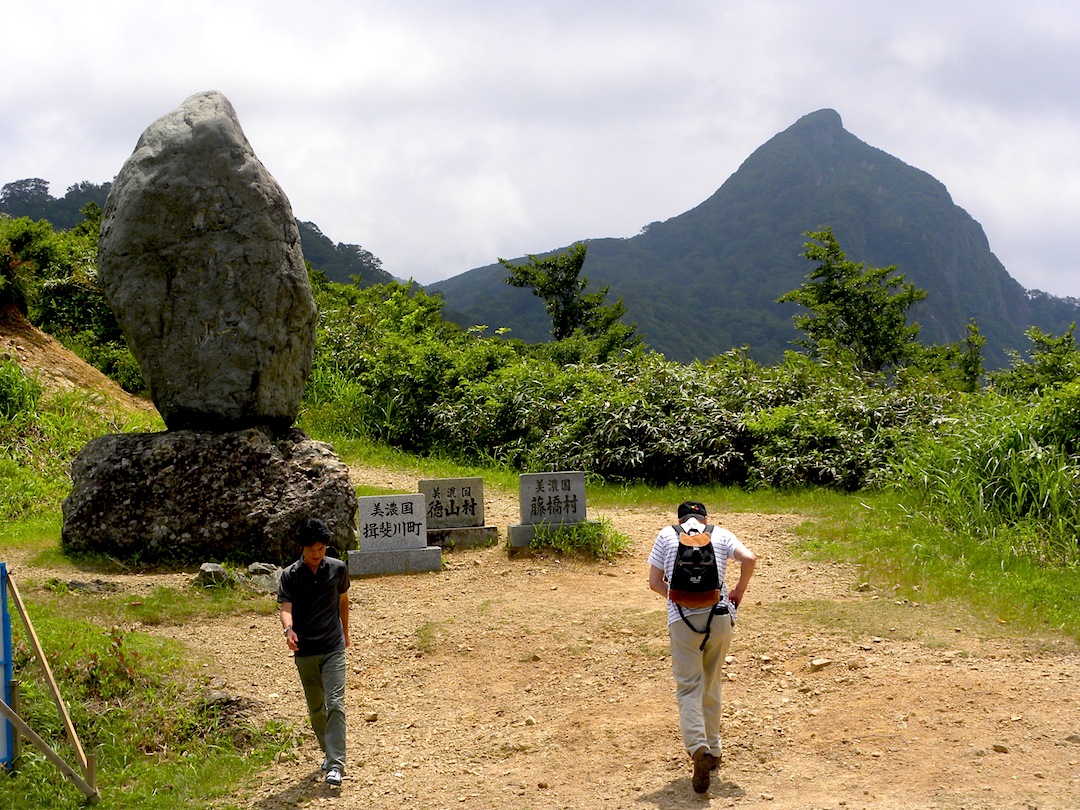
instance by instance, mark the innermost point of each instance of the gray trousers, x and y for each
(698, 678)
(323, 678)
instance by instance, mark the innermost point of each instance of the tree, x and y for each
(31, 198)
(855, 310)
(69, 300)
(1052, 362)
(26, 249)
(958, 365)
(26, 198)
(558, 282)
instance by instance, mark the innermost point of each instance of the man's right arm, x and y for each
(287, 625)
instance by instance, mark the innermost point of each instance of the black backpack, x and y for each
(695, 578)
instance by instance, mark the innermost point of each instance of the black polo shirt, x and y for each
(314, 598)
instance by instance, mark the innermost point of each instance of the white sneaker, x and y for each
(333, 777)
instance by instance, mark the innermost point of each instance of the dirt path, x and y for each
(531, 682)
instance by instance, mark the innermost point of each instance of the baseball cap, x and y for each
(691, 509)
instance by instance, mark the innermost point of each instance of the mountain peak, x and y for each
(823, 128)
(822, 119)
(733, 255)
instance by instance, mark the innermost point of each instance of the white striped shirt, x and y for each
(666, 548)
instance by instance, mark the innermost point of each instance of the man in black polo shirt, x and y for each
(314, 600)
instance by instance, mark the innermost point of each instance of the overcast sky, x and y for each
(441, 135)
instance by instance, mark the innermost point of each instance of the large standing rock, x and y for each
(187, 496)
(200, 259)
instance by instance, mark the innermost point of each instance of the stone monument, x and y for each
(199, 257)
(455, 513)
(200, 260)
(551, 499)
(393, 537)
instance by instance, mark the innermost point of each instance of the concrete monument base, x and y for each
(521, 535)
(466, 537)
(398, 561)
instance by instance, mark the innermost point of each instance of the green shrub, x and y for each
(831, 426)
(389, 369)
(645, 419)
(503, 417)
(1051, 361)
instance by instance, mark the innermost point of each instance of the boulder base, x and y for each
(189, 496)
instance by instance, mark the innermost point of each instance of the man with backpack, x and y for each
(687, 565)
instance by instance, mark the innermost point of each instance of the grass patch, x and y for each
(40, 533)
(428, 634)
(161, 606)
(900, 548)
(636, 622)
(591, 539)
(717, 499)
(141, 707)
(40, 437)
(577, 649)
(646, 629)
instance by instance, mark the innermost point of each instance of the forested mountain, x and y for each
(707, 280)
(31, 198)
(341, 262)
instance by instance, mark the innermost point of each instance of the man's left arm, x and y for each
(292, 640)
(747, 561)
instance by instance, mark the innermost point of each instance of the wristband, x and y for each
(286, 630)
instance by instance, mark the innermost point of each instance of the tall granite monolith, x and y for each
(200, 260)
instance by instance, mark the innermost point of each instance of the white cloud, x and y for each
(440, 135)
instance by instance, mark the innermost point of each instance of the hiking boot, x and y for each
(704, 763)
(333, 777)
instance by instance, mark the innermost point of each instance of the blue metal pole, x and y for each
(6, 741)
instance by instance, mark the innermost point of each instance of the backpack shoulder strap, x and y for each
(708, 623)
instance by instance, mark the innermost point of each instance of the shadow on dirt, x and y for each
(678, 794)
(310, 788)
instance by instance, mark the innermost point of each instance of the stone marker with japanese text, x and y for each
(555, 498)
(393, 537)
(455, 513)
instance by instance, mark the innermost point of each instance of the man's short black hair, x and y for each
(312, 531)
(691, 509)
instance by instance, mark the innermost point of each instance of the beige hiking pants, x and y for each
(698, 676)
